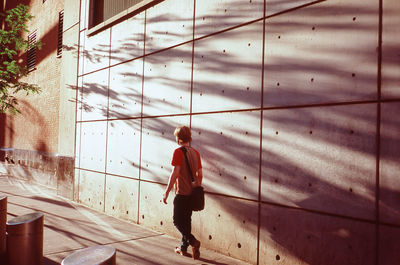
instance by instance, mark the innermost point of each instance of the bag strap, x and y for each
(187, 163)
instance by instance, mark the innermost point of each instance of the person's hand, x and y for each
(165, 197)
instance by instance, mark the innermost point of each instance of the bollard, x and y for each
(25, 239)
(3, 219)
(99, 255)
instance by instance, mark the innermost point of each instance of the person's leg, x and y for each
(180, 220)
(187, 227)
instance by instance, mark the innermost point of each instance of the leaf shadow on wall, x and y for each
(318, 144)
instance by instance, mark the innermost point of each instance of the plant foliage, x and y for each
(11, 44)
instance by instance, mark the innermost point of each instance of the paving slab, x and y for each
(69, 227)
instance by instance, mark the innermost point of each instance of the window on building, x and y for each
(101, 10)
(31, 55)
(60, 33)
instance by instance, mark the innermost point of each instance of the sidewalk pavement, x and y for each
(69, 227)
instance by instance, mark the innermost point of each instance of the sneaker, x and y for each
(181, 252)
(196, 249)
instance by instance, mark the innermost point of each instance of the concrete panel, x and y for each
(216, 15)
(228, 225)
(390, 49)
(390, 164)
(95, 95)
(307, 55)
(295, 237)
(158, 145)
(123, 150)
(277, 6)
(125, 96)
(125, 44)
(230, 151)
(96, 52)
(78, 145)
(389, 247)
(81, 46)
(227, 70)
(68, 93)
(153, 213)
(84, 14)
(76, 185)
(169, 23)
(79, 105)
(167, 82)
(71, 13)
(321, 159)
(122, 197)
(91, 189)
(93, 145)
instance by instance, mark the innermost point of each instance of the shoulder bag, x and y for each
(197, 195)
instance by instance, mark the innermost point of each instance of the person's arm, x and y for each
(171, 182)
(199, 176)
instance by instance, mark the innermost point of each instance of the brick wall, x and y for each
(36, 128)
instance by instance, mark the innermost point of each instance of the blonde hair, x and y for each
(184, 134)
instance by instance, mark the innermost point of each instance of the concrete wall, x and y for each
(293, 106)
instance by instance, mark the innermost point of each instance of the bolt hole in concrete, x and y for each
(143, 216)
(354, 18)
(161, 223)
(277, 257)
(244, 177)
(276, 132)
(209, 237)
(239, 245)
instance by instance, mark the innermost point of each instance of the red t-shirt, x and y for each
(184, 185)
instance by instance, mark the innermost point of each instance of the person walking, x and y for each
(180, 177)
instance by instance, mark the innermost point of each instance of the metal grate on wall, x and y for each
(60, 33)
(31, 55)
(101, 10)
